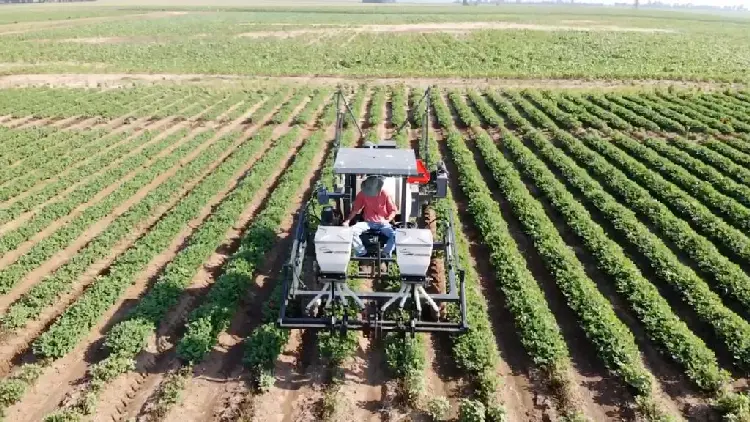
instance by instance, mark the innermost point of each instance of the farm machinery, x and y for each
(326, 286)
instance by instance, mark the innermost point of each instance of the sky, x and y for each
(719, 3)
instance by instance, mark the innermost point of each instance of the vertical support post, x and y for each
(426, 127)
(404, 216)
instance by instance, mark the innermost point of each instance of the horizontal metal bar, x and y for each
(369, 258)
(442, 297)
(311, 323)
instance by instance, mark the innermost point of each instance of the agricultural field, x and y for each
(156, 158)
(604, 233)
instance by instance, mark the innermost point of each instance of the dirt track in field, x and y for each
(447, 27)
(126, 79)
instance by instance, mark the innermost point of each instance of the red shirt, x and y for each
(376, 208)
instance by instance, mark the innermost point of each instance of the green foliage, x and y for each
(537, 328)
(438, 408)
(662, 325)
(666, 45)
(612, 339)
(213, 315)
(471, 411)
(13, 387)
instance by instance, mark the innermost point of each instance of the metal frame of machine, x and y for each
(319, 296)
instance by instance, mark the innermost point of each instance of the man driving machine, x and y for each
(378, 210)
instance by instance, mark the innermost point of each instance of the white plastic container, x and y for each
(413, 251)
(333, 246)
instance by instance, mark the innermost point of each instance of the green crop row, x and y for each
(377, 103)
(710, 156)
(214, 314)
(41, 146)
(732, 211)
(398, 105)
(566, 120)
(45, 292)
(739, 107)
(226, 103)
(355, 103)
(151, 106)
(702, 251)
(34, 140)
(612, 119)
(698, 119)
(575, 109)
(672, 335)
(510, 112)
(68, 102)
(729, 327)
(266, 342)
(741, 143)
(678, 114)
(18, 143)
(464, 112)
(60, 168)
(486, 112)
(415, 95)
(318, 97)
(733, 154)
(273, 102)
(332, 347)
(476, 350)
(647, 112)
(75, 175)
(536, 325)
(177, 108)
(676, 230)
(285, 111)
(717, 104)
(614, 342)
(10, 240)
(129, 337)
(738, 191)
(254, 100)
(732, 329)
(78, 319)
(73, 148)
(628, 115)
(41, 251)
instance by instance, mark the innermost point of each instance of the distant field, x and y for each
(488, 41)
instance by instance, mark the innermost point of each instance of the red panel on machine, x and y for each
(424, 175)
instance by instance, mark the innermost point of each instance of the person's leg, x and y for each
(390, 245)
(357, 230)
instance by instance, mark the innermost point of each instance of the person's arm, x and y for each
(391, 207)
(356, 208)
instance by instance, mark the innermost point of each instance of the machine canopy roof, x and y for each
(376, 161)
